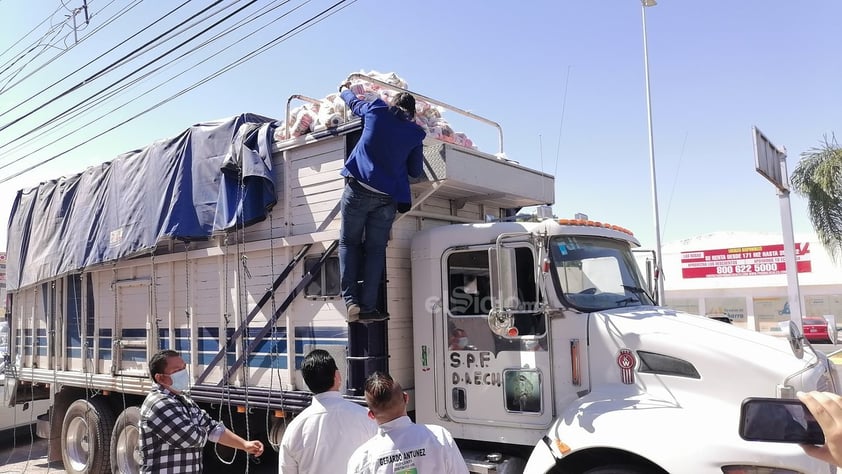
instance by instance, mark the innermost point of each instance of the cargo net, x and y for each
(331, 110)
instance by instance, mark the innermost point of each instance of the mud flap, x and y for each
(542, 458)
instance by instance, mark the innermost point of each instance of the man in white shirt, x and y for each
(400, 445)
(323, 436)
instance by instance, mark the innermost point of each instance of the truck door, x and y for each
(491, 378)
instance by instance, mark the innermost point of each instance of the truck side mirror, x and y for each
(503, 278)
(646, 263)
(832, 333)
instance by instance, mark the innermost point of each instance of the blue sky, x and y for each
(716, 69)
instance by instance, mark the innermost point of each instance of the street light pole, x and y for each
(659, 273)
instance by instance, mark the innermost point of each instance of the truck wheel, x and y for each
(85, 437)
(276, 433)
(125, 450)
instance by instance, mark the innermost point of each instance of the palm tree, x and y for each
(818, 177)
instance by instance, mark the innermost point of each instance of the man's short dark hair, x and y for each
(382, 393)
(158, 362)
(319, 370)
(406, 102)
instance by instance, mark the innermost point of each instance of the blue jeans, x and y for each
(367, 219)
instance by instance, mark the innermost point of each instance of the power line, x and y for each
(81, 109)
(100, 101)
(96, 75)
(23, 55)
(72, 16)
(55, 30)
(107, 22)
(29, 33)
(290, 33)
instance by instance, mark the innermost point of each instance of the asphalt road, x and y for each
(18, 454)
(827, 348)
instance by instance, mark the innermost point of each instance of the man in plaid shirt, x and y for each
(173, 429)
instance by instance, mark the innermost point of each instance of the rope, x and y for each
(90, 387)
(186, 285)
(114, 348)
(187, 314)
(274, 354)
(15, 375)
(157, 328)
(51, 412)
(48, 312)
(34, 353)
(121, 376)
(240, 233)
(226, 397)
(87, 355)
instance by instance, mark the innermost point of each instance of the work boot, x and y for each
(353, 311)
(372, 316)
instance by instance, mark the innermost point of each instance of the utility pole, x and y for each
(76, 11)
(659, 262)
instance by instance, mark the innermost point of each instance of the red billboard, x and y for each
(742, 261)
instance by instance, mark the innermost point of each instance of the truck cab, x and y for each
(541, 340)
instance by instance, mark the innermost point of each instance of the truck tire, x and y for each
(86, 435)
(125, 450)
(276, 433)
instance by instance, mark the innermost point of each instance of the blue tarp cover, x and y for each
(187, 187)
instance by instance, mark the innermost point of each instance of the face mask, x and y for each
(180, 380)
(462, 342)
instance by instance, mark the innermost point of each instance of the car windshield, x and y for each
(596, 273)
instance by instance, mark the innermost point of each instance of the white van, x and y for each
(21, 415)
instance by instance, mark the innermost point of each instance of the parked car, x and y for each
(815, 329)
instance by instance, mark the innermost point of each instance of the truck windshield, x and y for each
(596, 273)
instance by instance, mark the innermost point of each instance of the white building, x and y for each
(2, 285)
(743, 275)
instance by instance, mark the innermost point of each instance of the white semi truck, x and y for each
(537, 344)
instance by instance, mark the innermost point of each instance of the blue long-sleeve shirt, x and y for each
(390, 148)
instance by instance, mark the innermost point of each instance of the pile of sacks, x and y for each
(331, 111)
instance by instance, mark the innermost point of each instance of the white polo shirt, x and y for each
(323, 436)
(402, 446)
